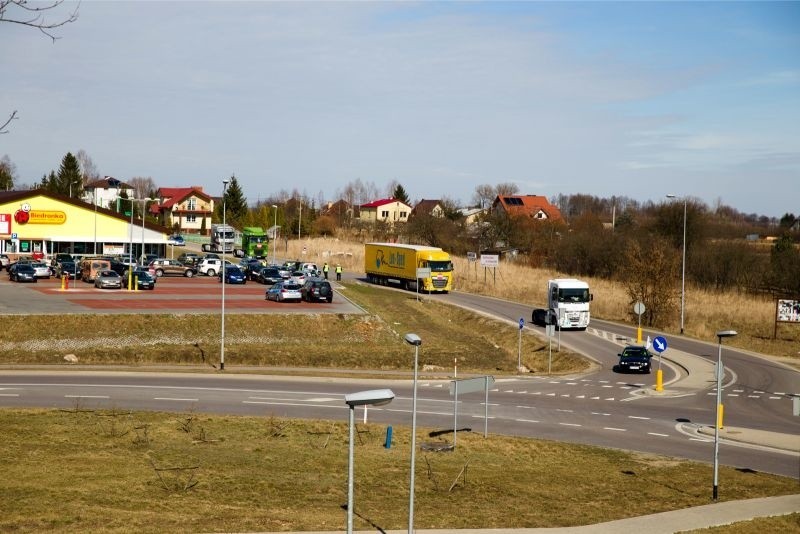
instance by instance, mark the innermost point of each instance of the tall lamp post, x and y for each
(144, 211)
(683, 262)
(130, 245)
(222, 335)
(721, 334)
(413, 339)
(299, 218)
(375, 397)
(275, 234)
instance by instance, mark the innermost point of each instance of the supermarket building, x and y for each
(38, 222)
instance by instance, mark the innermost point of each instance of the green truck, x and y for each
(255, 243)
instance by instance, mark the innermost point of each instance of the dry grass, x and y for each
(85, 471)
(706, 312)
(785, 524)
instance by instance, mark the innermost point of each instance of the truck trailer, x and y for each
(390, 263)
(567, 304)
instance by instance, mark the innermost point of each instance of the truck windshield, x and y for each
(227, 235)
(573, 295)
(440, 266)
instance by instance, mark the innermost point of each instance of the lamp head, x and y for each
(671, 196)
(413, 339)
(373, 397)
(225, 182)
(726, 333)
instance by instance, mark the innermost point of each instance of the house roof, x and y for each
(383, 202)
(174, 195)
(529, 205)
(107, 182)
(425, 206)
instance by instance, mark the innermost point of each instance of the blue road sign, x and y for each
(521, 323)
(660, 344)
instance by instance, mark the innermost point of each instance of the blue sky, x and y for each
(635, 99)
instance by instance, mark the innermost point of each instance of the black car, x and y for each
(634, 358)
(268, 276)
(317, 290)
(70, 269)
(141, 277)
(22, 272)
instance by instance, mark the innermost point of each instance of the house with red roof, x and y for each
(185, 208)
(533, 206)
(386, 210)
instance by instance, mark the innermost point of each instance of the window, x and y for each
(385, 214)
(191, 218)
(191, 204)
(403, 215)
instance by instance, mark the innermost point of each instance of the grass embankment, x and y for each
(785, 524)
(362, 342)
(706, 312)
(84, 471)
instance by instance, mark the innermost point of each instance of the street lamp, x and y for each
(299, 217)
(222, 335)
(413, 339)
(720, 372)
(375, 397)
(130, 245)
(683, 262)
(274, 234)
(144, 210)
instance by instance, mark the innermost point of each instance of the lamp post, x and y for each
(413, 339)
(683, 262)
(144, 210)
(375, 397)
(299, 218)
(275, 234)
(222, 335)
(720, 372)
(130, 245)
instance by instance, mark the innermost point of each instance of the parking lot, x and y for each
(200, 294)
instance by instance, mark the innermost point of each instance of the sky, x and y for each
(636, 99)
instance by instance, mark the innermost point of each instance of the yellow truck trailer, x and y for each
(390, 263)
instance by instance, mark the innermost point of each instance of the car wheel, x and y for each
(211, 272)
(159, 273)
(189, 273)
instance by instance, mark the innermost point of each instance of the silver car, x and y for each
(283, 291)
(42, 269)
(108, 279)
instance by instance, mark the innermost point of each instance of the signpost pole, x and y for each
(486, 408)
(519, 344)
(455, 414)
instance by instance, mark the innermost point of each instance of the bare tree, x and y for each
(8, 173)
(507, 188)
(34, 15)
(142, 186)
(11, 117)
(88, 170)
(484, 195)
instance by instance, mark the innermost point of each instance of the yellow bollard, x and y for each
(719, 421)
(136, 283)
(659, 380)
(639, 335)
(62, 283)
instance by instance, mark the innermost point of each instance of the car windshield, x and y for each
(573, 295)
(635, 352)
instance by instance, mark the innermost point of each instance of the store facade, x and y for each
(39, 223)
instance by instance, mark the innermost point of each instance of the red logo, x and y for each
(21, 217)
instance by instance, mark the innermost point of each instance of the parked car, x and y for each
(299, 277)
(42, 269)
(634, 358)
(283, 291)
(164, 267)
(147, 259)
(176, 240)
(60, 257)
(269, 276)
(233, 275)
(310, 268)
(189, 258)
(5, 262)
(211, 266)
(251, 267)
(142, 278)
(70, 269)
(317, 290)
(108, 279)
(22, 272)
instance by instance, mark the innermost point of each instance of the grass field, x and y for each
(114, 471)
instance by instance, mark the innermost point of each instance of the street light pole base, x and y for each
(222, 366)
(715, 493)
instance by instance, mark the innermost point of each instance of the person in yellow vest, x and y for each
(325, 269)
(338, 272)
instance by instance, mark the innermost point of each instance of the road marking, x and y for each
(9, 394)
(778, 393)
(698, 439)
(565, 395)
(580, 397)
(775, 398)
(608, 386)
(603, 381)
(615, 429)
(599, 413)
(551, 394)
(522, 392)
(738, 391)
(762, 392)
(569, 424)
(175, 399)
(564, 410)
(657, 434)
(526, 420)
(554, 382)
(610, 398)
(536, 393)
(270, 403)
(393, 410)
(87, 396)
(733, 394)
(595, 398)
(638, 417)
(509, 391)
(754, 396)
(572, 383)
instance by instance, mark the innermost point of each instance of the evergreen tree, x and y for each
(401, 195)
(70, 180)
(236, 209)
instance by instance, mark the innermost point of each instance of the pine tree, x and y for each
(401, 195)
(69, 180)
(236, 209)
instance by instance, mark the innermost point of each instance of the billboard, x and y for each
(788, 311)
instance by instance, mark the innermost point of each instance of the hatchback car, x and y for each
(42, 269)
(22, 272)
(176, 240)
(317, 290)
(283, 291)
(269, 276)
(299, 277)
(143, 279)
(108, 279)
(233, 275)
(5, 262)
(634, 358)
(69, 269)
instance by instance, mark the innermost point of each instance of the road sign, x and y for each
(550, 330)
(490, 260)
(470, 385)
(14, 236)
(660, 344)
(638, 308)
(423, 272)
(521, 323)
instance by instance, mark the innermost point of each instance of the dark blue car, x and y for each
(233, 275)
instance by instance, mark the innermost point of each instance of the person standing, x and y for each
(338, 272)
(325, 269)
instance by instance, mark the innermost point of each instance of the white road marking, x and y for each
(698, 439)
(762, 392)
(638, 417)
(572, 383)
(610, 398)
(775, 398)
(603, 381)
(9, 394)
(175, 399)
(522, 392)
(565, 395)
(580, 397)
(564, 410)
(551, 394)
(554, 382)
(754, 396)
(599, 413)
(778, 393)
(526, 420)
(657, 434)
(608, 386)
(595, 398)
(87, 396)
(738, 391)
(615, 429)
(270, 403)
(536, 393)
(733, 394)
(569, 424)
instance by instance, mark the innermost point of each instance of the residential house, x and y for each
(533, 206)
(341, 211)
(386, 210)
(428, 207)
(184, 207)
(105, 192)
(471, 215)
